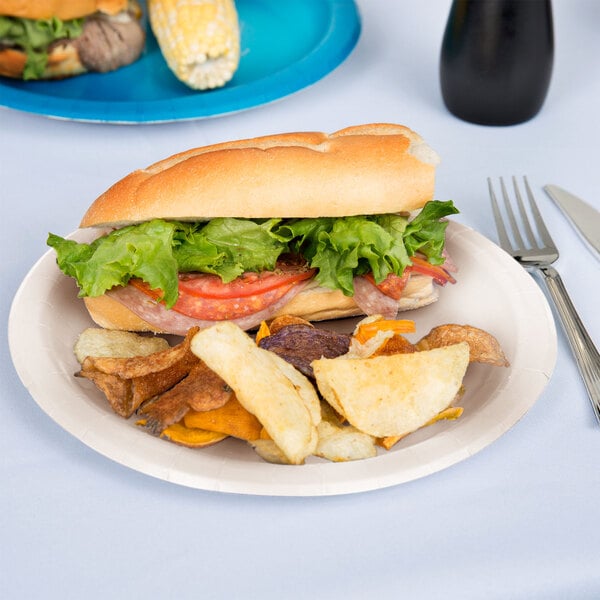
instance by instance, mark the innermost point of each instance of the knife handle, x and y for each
(586, 354)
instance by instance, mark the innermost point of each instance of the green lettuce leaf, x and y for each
(156, 251)
(343, 248)
(340, 248)
(426, 233)
(143, 251)
(228, 247)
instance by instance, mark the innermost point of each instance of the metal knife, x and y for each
(584, 218)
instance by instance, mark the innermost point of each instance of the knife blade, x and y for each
(584, 217)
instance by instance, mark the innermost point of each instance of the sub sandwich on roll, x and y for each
(307, 224)
(53, 39)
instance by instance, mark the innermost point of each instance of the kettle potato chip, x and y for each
(395, 394)
(280, 397)
(376, 385)
(115, 344)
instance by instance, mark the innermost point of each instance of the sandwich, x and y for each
(306, 224)
(54, 39)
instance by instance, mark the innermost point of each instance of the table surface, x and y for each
(516, 520)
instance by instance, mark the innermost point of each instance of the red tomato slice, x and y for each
(204, 296)
(220, 309)
(393, 285)
(249, 284)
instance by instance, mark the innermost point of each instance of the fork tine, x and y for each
(539, 222)
(502, 234)
(511, 216)
(523, 212)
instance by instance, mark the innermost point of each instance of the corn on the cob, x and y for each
(199, 39)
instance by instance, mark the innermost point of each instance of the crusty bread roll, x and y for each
(116, 22)
(368, 169)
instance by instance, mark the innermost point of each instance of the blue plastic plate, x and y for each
(285, 46)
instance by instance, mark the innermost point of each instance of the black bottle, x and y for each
(496, 59)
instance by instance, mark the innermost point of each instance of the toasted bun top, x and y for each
(63, 9)
(366, 169)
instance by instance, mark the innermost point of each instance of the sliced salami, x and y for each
(373, 301)
(177, 323)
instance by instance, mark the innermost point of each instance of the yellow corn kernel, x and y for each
(199, 39)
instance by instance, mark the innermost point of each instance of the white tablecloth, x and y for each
(516, 520)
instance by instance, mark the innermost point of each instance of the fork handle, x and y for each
(586, 354)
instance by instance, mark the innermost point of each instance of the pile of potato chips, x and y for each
(293, 390)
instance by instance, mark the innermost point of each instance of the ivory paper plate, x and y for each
(492, 291)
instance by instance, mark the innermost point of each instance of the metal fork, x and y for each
(538, 255)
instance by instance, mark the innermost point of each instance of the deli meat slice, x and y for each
(449, 264)
(373, 301)
(170, 321)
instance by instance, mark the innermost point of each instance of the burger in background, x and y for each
(54, 39)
